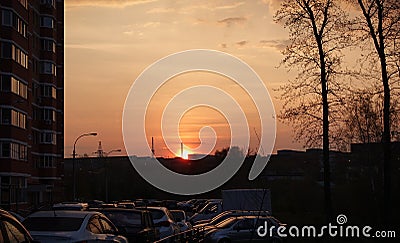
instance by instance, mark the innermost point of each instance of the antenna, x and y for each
(181, 150)
(152, 147)
(100, 151)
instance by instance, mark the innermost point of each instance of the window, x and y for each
(49, 91)
(48, 68)
(23, 152)
(53, 223)
(5, 116)
(48, 138)
(49, 115)
(245, 224)
(50, 3)
(13, 117)
(18, 119)
(9, 50)
(14, 147)
(6, 49)
(5, 150)
(19, 56)
(35, 65)
(19, 88)
(46, 161)
(48, 45)
(13, 20)
(5, 83)
(9, 83)
(94, 225)
(47, 22)
(7, 17)
(14, 150)
(107, 227)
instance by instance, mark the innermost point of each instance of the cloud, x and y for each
(230, 6)
(232, 21)
(241, 43)
(280, 45)
(151, 24)
(105, 3)
(160, 10)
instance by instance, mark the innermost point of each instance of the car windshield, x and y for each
(226, 223)
(124, 218)
(178, 216)
(52, 223)
(157, 214)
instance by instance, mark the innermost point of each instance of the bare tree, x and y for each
(379, 25)
(317, 36)
(363, 116)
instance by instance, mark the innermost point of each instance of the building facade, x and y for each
(31, 101)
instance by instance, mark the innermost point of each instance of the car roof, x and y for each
(63, 213)
(154, 208)
(177, 211)
(120, 210)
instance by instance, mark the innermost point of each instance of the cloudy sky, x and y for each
(109, 43)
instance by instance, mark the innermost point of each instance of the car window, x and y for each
(245, 224)
(13, 233)
(178, 216)
(146, 220)
(157, 214)
(120, 218)
(52, 223)
(107, 227)
(94, 226)
(149, 220)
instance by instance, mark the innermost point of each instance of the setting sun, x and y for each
(184, 154)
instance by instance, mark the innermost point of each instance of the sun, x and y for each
(184, 154)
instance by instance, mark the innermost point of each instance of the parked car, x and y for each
(126, 204)
(135, 225)
(95, 204)
(210, 210)
(170, 204)
(181, 219)
(77, 206)
(16, 215)
(242, 229)
(109, 205)
(164, 221)
(230, 213)
(11, 230)
(71, 226)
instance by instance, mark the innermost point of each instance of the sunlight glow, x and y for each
(185, 154)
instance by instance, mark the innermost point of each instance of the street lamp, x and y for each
(106, 170)
(73, 158)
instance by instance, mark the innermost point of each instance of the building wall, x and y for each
(31, 101)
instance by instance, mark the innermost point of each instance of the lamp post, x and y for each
(106, 170)
(74, 161)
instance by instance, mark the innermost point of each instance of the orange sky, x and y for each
(109, 43)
